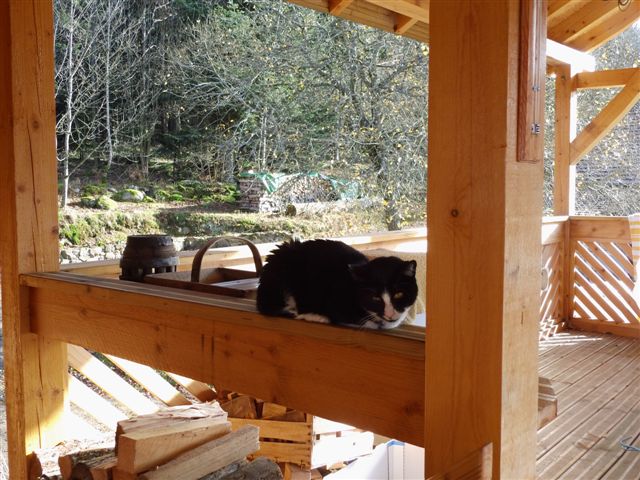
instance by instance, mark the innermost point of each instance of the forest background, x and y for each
(179, 99)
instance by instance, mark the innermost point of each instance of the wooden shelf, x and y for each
(372, 380)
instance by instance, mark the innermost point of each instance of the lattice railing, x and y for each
(602, 280)
(551, 294)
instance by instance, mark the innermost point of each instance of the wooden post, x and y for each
(564, 177)
(35, 368)
(483, 262)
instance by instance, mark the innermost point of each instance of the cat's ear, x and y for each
(410, 268)
(358, 271)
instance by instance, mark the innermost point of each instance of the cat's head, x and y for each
(386, 289)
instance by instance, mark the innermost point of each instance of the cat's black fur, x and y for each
(329, 281)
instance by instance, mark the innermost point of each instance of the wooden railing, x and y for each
(602, 276)
(552, 292)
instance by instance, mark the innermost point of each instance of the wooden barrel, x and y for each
(145, 254)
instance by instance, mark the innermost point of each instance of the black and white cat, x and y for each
(330, 282)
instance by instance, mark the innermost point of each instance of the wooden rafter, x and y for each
(416, 9)
(607, 119)
(602, 32)
(337, 6)
(404, 23)
(559, 9)
(590, 14)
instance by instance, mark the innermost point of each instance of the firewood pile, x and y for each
(186, 442)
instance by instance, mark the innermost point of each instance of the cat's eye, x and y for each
(376, 298)
(398, 295)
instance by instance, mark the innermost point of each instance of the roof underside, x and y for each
(583, 25)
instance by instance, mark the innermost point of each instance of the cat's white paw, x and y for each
(313, 317)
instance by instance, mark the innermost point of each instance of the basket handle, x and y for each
(197, 260)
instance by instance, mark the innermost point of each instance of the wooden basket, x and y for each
(220, 281)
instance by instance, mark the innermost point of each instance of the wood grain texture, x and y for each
(603, 78)
(564, 173)
(279, 360)
(35, 368)
(607, 119)
(483, 272)
(361, 11)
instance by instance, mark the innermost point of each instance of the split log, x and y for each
(270, 410)
(209, 457)
(260, 469)
(243, 406)
(291, 416)
(141, 450)
(104, 470)
(170, 416)
(70, 461)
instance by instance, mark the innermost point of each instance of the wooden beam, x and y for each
(404, 23)
(483, 261)
(361, 11)
(226, 343)
(416, 9)
(613, 25)
(576, 24)
(559, 54)
(35, 368)
(607, 119)
(564, 177)
(336, 7)
(559, 9)
(603, 78)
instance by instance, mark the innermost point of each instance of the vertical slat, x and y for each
(35, 369)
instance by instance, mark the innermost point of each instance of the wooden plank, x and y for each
(559, 9)
(564, 173)
(553, 230)
(605, 254)
(603, 78)
(361, 11)
(93, 404)
(143, 449)
(404, 23)
(607, 119)
(597, 229)
(291, 431)
(35, 368)
(574, 446)
(416, 9)
(581, 411)
(483, 272)
(201, 391)
(151, 381)
(477, 465)
(603, 32)
(109, 381)
(581, 20)
(103, 471)
(192, 335)
(622, 330)
(531, 81)
(336, 7)
(209, 457)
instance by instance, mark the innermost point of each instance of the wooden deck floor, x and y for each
(597, 380)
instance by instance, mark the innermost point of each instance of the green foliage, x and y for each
(103, 227)
(93, 190)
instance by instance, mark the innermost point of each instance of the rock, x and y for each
(129, 195)
(105, 203)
